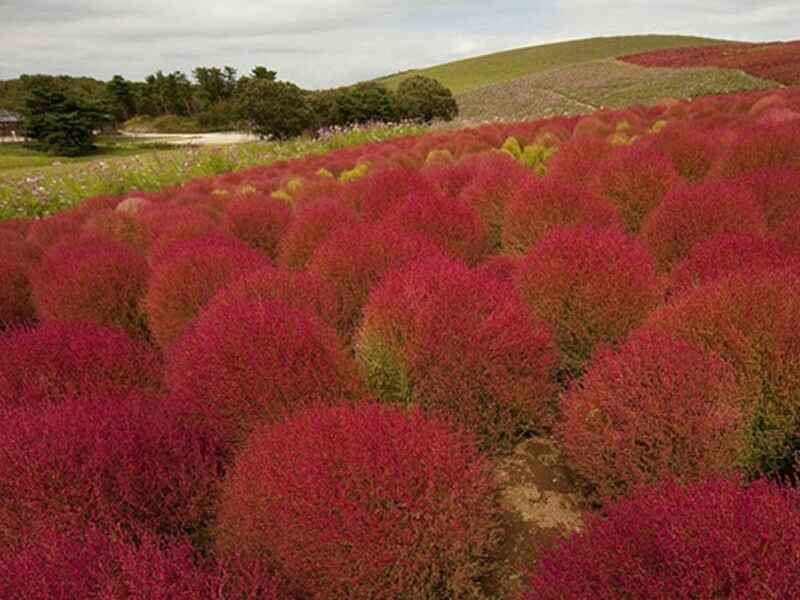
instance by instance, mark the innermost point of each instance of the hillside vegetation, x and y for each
(468, 74)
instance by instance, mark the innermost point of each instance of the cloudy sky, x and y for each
(320, 43)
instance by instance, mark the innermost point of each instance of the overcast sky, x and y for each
(321, 43)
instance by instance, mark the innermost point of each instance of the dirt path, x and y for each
(195, 139)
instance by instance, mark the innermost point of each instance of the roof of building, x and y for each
(7, 116)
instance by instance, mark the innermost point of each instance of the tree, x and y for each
(215, 84)
(364, 103)
(425, 99)
(277, 109)
(264, 73)
(61, 123)
(119, 92)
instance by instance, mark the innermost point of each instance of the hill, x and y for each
(471, 73)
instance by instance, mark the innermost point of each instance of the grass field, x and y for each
(468, 74)
(582, 88)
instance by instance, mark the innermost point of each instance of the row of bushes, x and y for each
(310, 367)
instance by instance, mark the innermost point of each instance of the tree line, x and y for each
(216, 99)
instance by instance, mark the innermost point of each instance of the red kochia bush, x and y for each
(712, 540)
(546, 204)
(362, 502)
(726, 253)
(778, 193)
(247, 361)
(116, 226)
(376, 194)
(451, 224)
(93, 565)
(590, 285)
(498, 178)
(186, 278)
(692, 214)
(312, 225)
(692, 151)
(458, 343)
(748, 318)
(164, 226)
(91, 281)
(355, 259)
(259, 221)
(16, 304)
(658, 408)
(761, 147)
(789, 232)
(634, 179)
(46, 232)
(56, 361)
(125, 460)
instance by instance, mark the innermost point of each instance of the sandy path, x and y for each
(199, 139)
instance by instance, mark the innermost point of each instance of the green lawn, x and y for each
(471, 73)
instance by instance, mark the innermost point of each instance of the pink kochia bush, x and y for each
(91, 281)
(185, 279)
(590, 285)
(56, 361)
(313, 224)
(16, 304)
(259, 221)
(114, 460)
(95, 565)
(249, 360)
(546, 204)
(458, 343)
(692, 214)
(712, 540)
(362, 502)
(658, 408)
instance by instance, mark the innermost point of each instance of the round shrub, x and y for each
(747, 318)
(451, 224)
(778, 193)
(91, 281)
(248, 361)
(760, 147)
(712, 540)
(691, 151)
(726, 253)
(498, 178)
(16, 304)
(378, 192)
(546, 204)
(425, 99)
(164, 226)
(310, 227)
(92, 564)
(692, 214)
(577, 159)
(355, 259)
(591, 286)
(458, 343)
(55, 361)
(114, 460)
(115, 226)
(658, 408)
(789, 232)
(51, 230)
(259, 221)
(634, 179)
(186, 278)
(362, 502)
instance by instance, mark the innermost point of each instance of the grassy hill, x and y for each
(471, 73)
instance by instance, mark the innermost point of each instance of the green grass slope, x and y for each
(471, 73)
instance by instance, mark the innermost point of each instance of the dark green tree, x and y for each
(276, 109)
(425, 99)
(61, 123)
(121, 98)
(263, 73)
(364, 103)
(215, 84)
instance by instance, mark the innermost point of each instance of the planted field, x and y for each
(419, 368)
(471, 73)
(778, 61)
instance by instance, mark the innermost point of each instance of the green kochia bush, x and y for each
(458, 343)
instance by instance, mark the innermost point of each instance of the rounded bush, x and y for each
(51, 230)
(691, 151)
(458, 343)
(16, 303)
(634, 179)
(93, 564)
(658, 408)
(451, 224)
(378, 193)
(91, 281)
(164, 226)
(576, 160)
(355, 259)
(310, 227)
(712, 540)
(113, 460)
(727, 253)
(362, 502)
(115, 226)
(789, 232)
(546, 204)
(760, 147)
(248, 361)
(591, 286)
(692, 214)
(56, 361)
(259, 221)
(185, 279)
(778, 193)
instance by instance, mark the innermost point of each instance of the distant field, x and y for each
(610, 83)
(471, 73)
